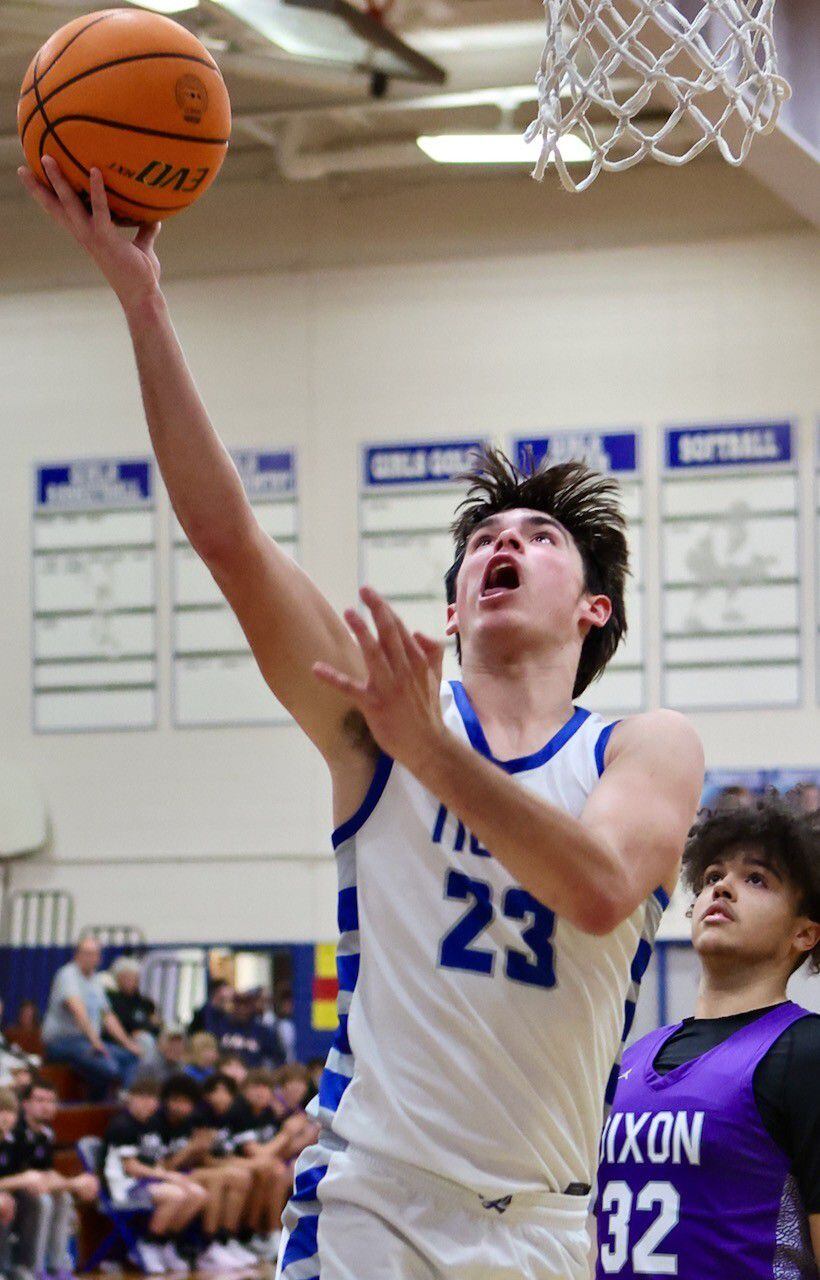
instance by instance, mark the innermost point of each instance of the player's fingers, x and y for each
(385, 621)
(353, 689)
(145, 239)
(99, 202)
(412, 649)
(433, 652)
(374, 656)
(76, 217)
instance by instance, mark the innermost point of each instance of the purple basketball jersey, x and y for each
(690, 1183)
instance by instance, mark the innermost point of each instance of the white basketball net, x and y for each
(725, 91)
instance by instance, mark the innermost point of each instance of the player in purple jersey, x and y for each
(710, 1156)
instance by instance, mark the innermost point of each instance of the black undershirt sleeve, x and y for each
(786, 1086)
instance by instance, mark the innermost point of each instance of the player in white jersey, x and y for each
(503, 855)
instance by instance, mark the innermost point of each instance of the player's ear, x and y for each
(807, 934)
(596, 610)
(452, 621)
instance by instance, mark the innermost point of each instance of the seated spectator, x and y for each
(203, 1056)
(314, 1068)
(22, 1075)
(26, 1031)
(232, 1064)
(137, 1013)
(169, 1059)
(189, 1147)
(10, 1182)
(283, 1023)
(213, 1013)
(258, 1143)
(44, 1242)
(804, 798)
(291, 1091)
(134, 1176)
(78, 1012)
(242, 1033)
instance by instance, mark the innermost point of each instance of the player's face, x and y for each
(178, 1107)
(521, 582)
(142, 1106)
(746, 913)
(41, 1106)
(259, 1096)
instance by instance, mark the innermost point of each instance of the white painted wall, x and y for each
(216, 834)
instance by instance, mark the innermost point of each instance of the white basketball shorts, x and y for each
(354, 1216)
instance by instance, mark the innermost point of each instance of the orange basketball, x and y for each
(133, 94)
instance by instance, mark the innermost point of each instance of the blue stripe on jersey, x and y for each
(654, 908)
(303, 1241)
(374, 792)
(662, 896)
(601, 745)
(340, 1039)
(332, 1086)
(477, 739)
(347, 968)
(347, 912)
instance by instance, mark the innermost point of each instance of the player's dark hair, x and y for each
(37, 1083)
(148, 1087)
(587, 504)
(259, 1075)
(219, 1079)
(181, 1086)
(787, 842)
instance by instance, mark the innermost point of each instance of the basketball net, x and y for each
(713, 75)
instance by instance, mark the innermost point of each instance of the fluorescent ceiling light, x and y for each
(166, 6)
(338, 32)
(496, 148)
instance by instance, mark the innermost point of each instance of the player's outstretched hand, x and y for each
(399, 698)
(130, 266)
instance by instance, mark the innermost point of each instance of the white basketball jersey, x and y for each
(478, 1034)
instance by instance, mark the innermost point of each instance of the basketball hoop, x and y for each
(714, 76)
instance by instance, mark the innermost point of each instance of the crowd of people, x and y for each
(209, 1120)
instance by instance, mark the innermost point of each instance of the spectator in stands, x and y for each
(45, 1238)
(188, 1146)
(217, 1008)
(136, 1012)
(131, 1167)
(26, 1031)
(9, 1174)
(259, 1144)
(804, 798)
(233, 1065)
(291, 1090)
(78, 1012)
(283, 1024)
(203, 1056)
(244, 1034)
(733, 797)
(22, 1075)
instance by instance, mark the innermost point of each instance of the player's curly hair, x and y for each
(788, 842)
(587, 504)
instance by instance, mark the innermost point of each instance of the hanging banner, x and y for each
(215, 677)
(731, 567)
(94, 660)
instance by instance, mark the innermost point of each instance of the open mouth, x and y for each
(500, 577)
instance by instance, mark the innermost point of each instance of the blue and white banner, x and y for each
(266, 475)
(614, 452)
(94, 483)
(736, 444)
(424, 462)
(94, 660)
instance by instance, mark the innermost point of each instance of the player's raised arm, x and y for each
(287, 620)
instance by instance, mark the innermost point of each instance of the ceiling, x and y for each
(300, 121)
